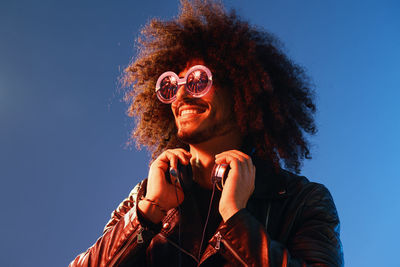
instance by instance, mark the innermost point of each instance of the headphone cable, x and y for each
(205, 225)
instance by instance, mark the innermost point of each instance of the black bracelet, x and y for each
(152, 202)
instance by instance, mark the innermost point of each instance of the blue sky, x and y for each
(64, 165)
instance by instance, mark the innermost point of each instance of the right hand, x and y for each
(167, 195)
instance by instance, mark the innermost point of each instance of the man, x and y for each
(233, 101)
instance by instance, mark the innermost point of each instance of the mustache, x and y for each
(192, 102)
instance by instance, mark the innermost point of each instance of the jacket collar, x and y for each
(269, 183)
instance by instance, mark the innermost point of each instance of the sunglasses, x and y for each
(198, 81)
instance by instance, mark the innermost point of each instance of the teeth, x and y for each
(189, 111)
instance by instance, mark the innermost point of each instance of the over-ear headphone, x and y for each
(219, 175)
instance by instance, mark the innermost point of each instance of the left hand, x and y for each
(239, 184)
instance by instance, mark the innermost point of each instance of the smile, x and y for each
(187, 111)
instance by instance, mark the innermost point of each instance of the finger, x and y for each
(237, 162)
(183, 155)
(232, 161)
(232, 156)
(238, 152)
(185, 152)
(175, 156)
(247, 158)
(239, 155)
(234, 152)
(172, 159)
(160, 163)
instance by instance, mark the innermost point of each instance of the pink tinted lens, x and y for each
(197, 81)
(168, 87)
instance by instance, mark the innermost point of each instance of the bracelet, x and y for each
(152, 202)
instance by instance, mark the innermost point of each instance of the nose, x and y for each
(181, 94)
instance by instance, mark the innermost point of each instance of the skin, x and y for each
(213, 138)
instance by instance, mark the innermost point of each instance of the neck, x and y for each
(203, 155)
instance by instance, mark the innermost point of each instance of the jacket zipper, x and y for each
(139, 236)
(218, 246)
(139, 240)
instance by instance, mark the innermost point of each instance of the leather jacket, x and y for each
(288, 221)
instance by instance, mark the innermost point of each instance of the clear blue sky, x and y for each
(63, 162)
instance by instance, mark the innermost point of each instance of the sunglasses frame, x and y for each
(183, 81)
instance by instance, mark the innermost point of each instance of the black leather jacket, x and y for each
(288, 221)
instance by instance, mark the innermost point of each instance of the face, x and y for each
(200, 119)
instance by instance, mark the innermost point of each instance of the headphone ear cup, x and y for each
(219, 175)
(225, 175)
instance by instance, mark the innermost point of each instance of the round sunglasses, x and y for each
(198, 81)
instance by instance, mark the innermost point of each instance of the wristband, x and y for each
(152, 202)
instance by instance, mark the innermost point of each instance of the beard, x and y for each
(200, 136)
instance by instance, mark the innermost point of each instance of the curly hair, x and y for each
(273, 100)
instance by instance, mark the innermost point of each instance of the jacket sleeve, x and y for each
(124, 238)
(314, 242)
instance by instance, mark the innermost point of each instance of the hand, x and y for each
(239, 184)
(166, 195)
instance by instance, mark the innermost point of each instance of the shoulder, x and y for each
(302, 189)
(296, 184)
(314, 199)
(312, 211)
(282, 184)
